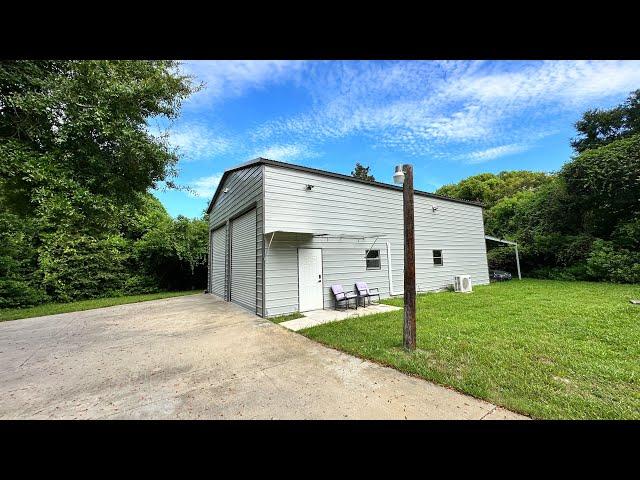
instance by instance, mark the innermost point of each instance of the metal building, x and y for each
(281, 234)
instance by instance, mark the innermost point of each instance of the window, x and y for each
(437, 257)
(373, 260)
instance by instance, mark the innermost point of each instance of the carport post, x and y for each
(518, 263)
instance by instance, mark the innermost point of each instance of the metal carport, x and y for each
(507, 242)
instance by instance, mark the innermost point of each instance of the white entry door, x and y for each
(310, 279)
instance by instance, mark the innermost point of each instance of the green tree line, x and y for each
(77, 163)
(582, 222)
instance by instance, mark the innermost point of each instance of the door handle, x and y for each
(319, 278)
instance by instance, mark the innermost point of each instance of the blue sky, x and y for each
(450, 119)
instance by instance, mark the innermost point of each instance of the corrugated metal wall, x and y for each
(244, 190)
(340, 207)
(243, 260)
(218, 261)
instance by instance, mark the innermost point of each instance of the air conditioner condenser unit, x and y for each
(462, 283)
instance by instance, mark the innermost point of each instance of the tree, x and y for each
(600, 127)
(606, 182)
(489, 188)
(173, 253)
(76, 161)
(362, 173)
(74, 136)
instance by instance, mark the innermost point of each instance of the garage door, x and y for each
(243, 260)
(218, 242)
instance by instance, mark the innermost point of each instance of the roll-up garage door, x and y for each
(243, 260)
(218, 242)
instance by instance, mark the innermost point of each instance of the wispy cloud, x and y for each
(205, 187)
(566, 82)
(195, 141)
(436, 107)
(286, 153)
(480, 156)
(225, 79)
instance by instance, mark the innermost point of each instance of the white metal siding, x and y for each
(218, 263)
(243, 260)
(339, 207)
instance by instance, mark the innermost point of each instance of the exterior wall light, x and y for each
(398, 177)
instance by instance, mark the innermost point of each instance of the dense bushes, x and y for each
(609, 262)
(582, 223)
(173, 252)
(18, 263)
(76, 163)
(150, 252)
(76, 267)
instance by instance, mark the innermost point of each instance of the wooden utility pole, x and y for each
(409, 332)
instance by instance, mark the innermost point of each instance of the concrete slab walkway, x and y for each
(318, 317)
(199, 357)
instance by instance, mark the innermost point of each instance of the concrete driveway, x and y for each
(198, 357)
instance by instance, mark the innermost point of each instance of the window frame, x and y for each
(441, 257)
(366, 260)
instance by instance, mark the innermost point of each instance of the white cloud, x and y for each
(572, 82)
(232, 78)
(195, 141)
(480, 156)
(437, 107)
(205, 187)
(285, 153)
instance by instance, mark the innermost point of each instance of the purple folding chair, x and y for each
(343, 297)
(364, 292)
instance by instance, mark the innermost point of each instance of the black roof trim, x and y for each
(325, 173)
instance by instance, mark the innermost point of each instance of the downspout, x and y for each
(389, 274)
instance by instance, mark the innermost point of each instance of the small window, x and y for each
(437, 257)
(373, 260)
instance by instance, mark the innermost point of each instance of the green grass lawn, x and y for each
(284, 318)
(52, 308)
(548, 349)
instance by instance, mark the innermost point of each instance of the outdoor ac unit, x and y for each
(462, 283)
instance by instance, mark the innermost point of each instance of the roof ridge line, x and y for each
(293, 166)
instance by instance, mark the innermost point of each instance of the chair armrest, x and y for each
(372, 289)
